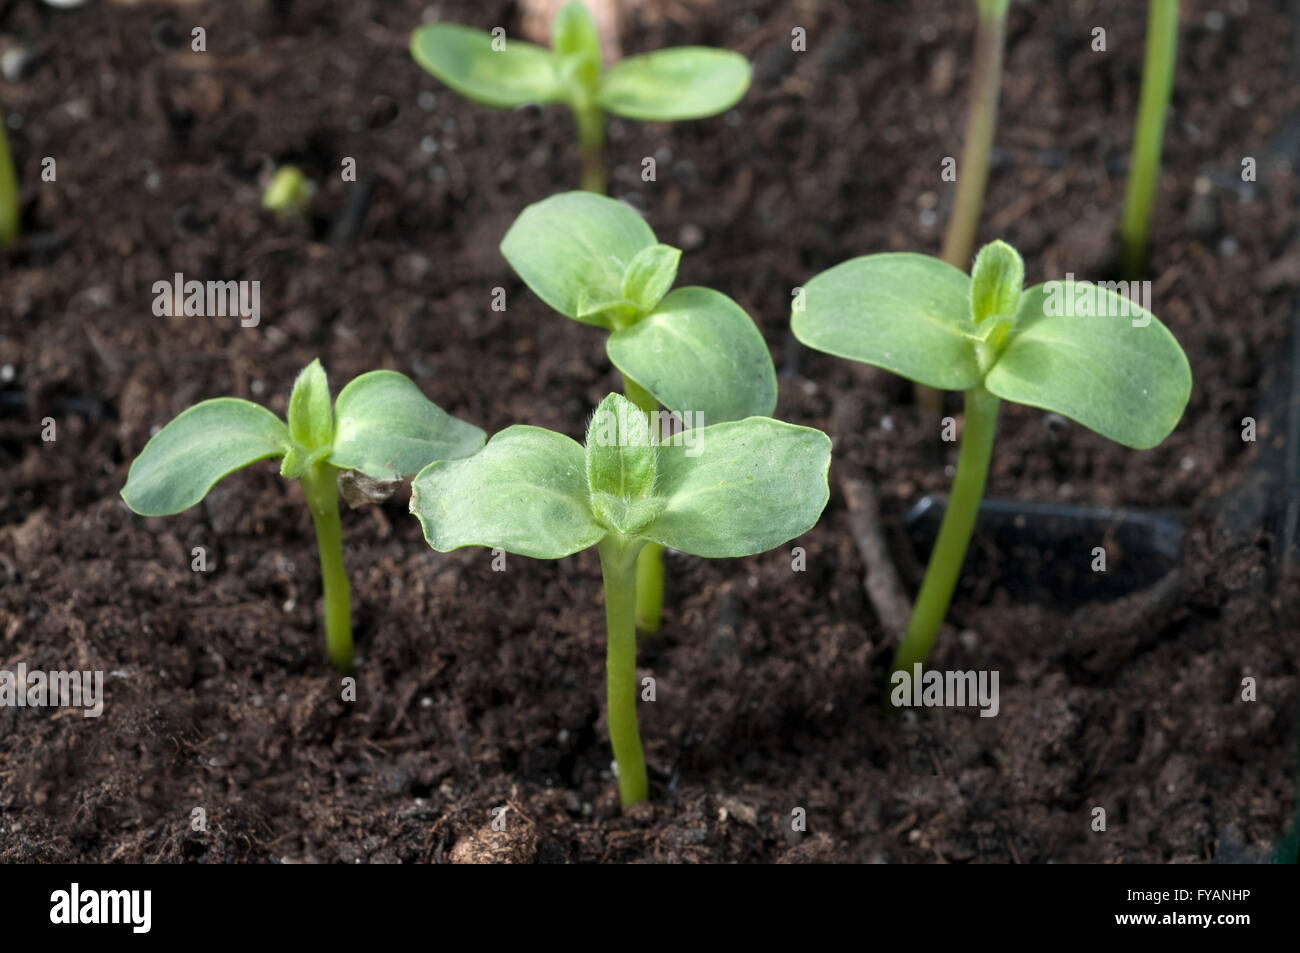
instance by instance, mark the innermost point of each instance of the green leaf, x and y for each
(573, 32)
(996, 280)
(907, 313)
(740, 488)
(387, 429)
(621, 465)
(464, 59)
(311, 422)
(1074, 350)
(687, 82)
(525, 492)
(649, 276)
(573, 249)
(184, 460)
(699, 351)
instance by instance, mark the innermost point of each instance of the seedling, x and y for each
(289, 194)
(381, 426)
(688, 82)
(693, 350)
(8, 191)
(1148, 135)
(1075, 348)
(730, 489)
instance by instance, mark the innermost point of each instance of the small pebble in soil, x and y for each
(7, 373)
(426, 101)
(14, 63)
(690, 237)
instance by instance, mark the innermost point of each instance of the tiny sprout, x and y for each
(688, 82)
(289, 193)
(8, 191)
(739, 489)
(693, 350)
(381, 426)
(1073, 348)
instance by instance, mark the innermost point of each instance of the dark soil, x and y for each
(479, 689)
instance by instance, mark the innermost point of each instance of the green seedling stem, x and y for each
(381, 427)
(1073, 348)
(1148, 136)
(754, 484)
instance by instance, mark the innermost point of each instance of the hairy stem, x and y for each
(320, 486)
(591, 140)
(954, 532)
(1148, 136)
(650, 564)
(618, 568)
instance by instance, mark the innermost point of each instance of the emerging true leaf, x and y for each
(699, 352)
(311, 422)
(184, 460)
(525, 492)
(621, 454)
(995, 283)
(1096, 357)
(465, 59)
(649, 275)
(686, 82)
(907, 313)
(741, 488)
(386, 428)
(573, 32)
(574, 249)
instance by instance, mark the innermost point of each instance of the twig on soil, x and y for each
(884, 588)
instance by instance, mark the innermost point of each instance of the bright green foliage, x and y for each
(1075, 348)
(684, 83)
(596, 261)
(1072, 347)
(730, 489)
(688, 82)
(382, 426)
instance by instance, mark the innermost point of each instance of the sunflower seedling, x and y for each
(725, 490)
(381, 426)
(693, 350)
(1071, 347)
(688, 82)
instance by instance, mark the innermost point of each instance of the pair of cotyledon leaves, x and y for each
(735, 489)
(682, 83)
(1072, 347)
(596, 261)
(381, 425)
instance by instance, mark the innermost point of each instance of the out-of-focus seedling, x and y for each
(693, 350)
(726, 490)
(8, 191)
(688, 82)
(1071, 347)
(381, 426)
(1148, 135)
(289, 193)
